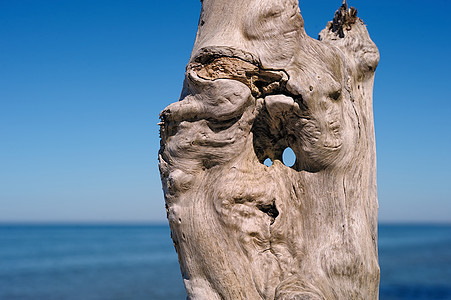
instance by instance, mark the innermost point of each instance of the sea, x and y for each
(97, 262)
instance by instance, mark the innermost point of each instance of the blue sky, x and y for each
(82, 83)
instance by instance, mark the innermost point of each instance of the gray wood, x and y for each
(255, 85)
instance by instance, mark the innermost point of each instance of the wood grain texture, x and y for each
(255, 85)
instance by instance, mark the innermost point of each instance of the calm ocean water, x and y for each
(139, 262)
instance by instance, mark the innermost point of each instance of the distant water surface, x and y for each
(415, 262)
(139, 262)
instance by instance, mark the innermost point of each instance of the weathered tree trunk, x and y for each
(255, 85)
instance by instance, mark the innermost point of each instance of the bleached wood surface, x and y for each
(255, 85)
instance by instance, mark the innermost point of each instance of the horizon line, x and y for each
(166, 223)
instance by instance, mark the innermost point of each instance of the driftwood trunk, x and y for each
(255, 85)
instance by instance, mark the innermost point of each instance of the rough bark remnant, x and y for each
(255, 85)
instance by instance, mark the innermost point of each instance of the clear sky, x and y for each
(82, 83)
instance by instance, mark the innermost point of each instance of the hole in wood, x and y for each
(270, 210)
(268, 162)
(288, 157)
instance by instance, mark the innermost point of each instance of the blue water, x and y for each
(139, 262)
(415, 262)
